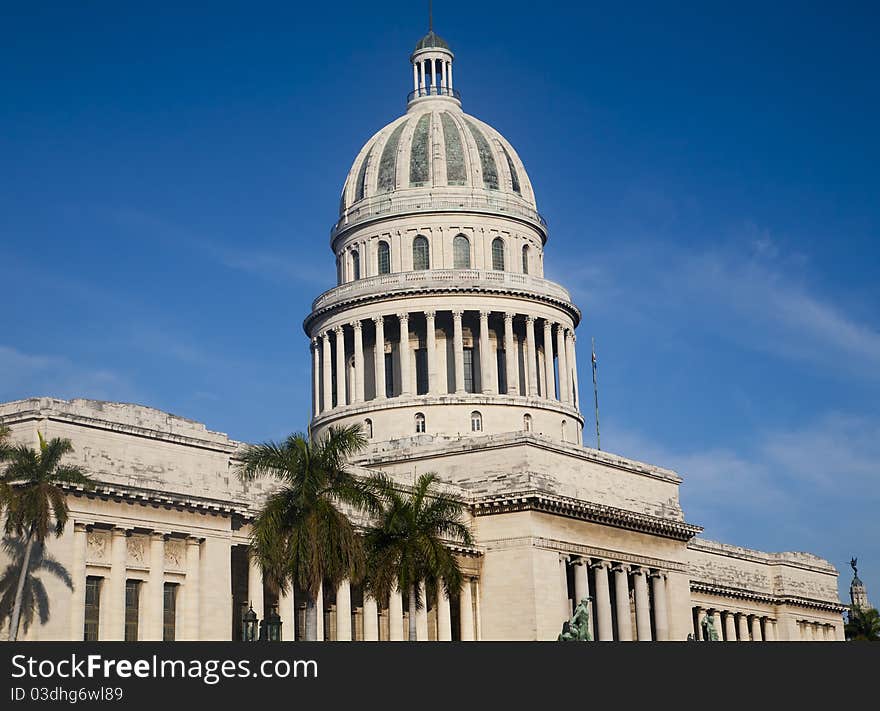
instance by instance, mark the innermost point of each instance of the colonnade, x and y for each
(425, 73)
(548, 348)
(616, 588)
(145, 568)
(811, 631)
(374, 621)
(735, 626)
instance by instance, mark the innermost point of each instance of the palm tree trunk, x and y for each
(311, 619)
(19, 590)
(412, 613)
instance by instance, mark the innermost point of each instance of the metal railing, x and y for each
(432, 91)
(452, 279)
(387, 205)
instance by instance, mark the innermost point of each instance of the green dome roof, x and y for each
(431, 40)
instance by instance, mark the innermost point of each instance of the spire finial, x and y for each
(430, 15)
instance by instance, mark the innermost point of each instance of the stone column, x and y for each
(395, 616)
(443, 85)
(154, 605)
(379, 357)
(114, 630)
(478, 622)
(572, 367)
(287, 613)
(564, 375)
(431, 348)
(807, 631)
(78, 576)
(450, 75)
(769, 632)
(603, 602)
(581, 579)
(358, 361)
(510, 356)
(661, 611)
(319, 613)
(486, 381)
(458, 347)
(316, 379)
(191, 590)
(718, 624)
(341, 400)
(743, 628)
(255, 585)
(698, 621)
(621, 590)
(343, 612)
(564, 600)
(327, 371)
(421, 78)
(549, 376)
(422, 615)
(729, 627)
(444, 616)
(531, 357)
(756, 628)
(405, 356)
(371, 619)
(416, 78)
(643, 606)
(467, 611)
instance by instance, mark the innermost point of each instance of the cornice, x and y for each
(585, 511)
(766, 598)
(152, 497)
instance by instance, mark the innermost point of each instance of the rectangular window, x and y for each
(500, 364)
(469, 369)
(421, 371)
(169, 615)
(93, 608)
(132, 609)
(389, 375)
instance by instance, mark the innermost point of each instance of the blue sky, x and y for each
(170, 173)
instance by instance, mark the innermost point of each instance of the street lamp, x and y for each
(249, 625)
(272, 626)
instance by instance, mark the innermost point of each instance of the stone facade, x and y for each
(444, 341)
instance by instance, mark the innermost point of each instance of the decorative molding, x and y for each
(744, 594)
(585, 511)
(152, 497)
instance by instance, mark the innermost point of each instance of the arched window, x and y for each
(461, 252)
(525, 259)
(368, 428)
(421, 258)
(498, 254)
(527, 423)
(420, 423)
(476, 422)
(564, 429)
(355, 264)
(338, 270)
(384, 258)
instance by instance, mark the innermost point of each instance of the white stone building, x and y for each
(444, 341)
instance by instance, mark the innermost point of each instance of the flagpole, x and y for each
(596, 394)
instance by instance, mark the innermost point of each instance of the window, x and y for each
(527, 423)
(355, 265)
(420, 423)
(421, 259)
(469, 370)
(384, 258)
(132, 608)
(93, 608)
(525, 259)
(169, 614)
(564, 428)
(421, 371)
(368, 428)
(476, 422)
(461, 252)
(501, 369)
(338, 270)
(498, 254)
(389, 375)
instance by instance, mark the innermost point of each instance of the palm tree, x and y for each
(32, 496)
(408, 543)
(863, 624)
(34, 597)
(301, 536)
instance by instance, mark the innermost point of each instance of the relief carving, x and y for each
(173, 554)
(136, 550)
(97, 545)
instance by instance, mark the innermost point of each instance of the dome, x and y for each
(429, 41)
(437, 147)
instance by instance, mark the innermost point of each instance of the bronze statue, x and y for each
(710, 634)
(577, 629)
(853, 563)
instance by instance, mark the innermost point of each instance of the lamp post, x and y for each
(271, 627)
(249, 625)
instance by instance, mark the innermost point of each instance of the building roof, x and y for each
(429, 41)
